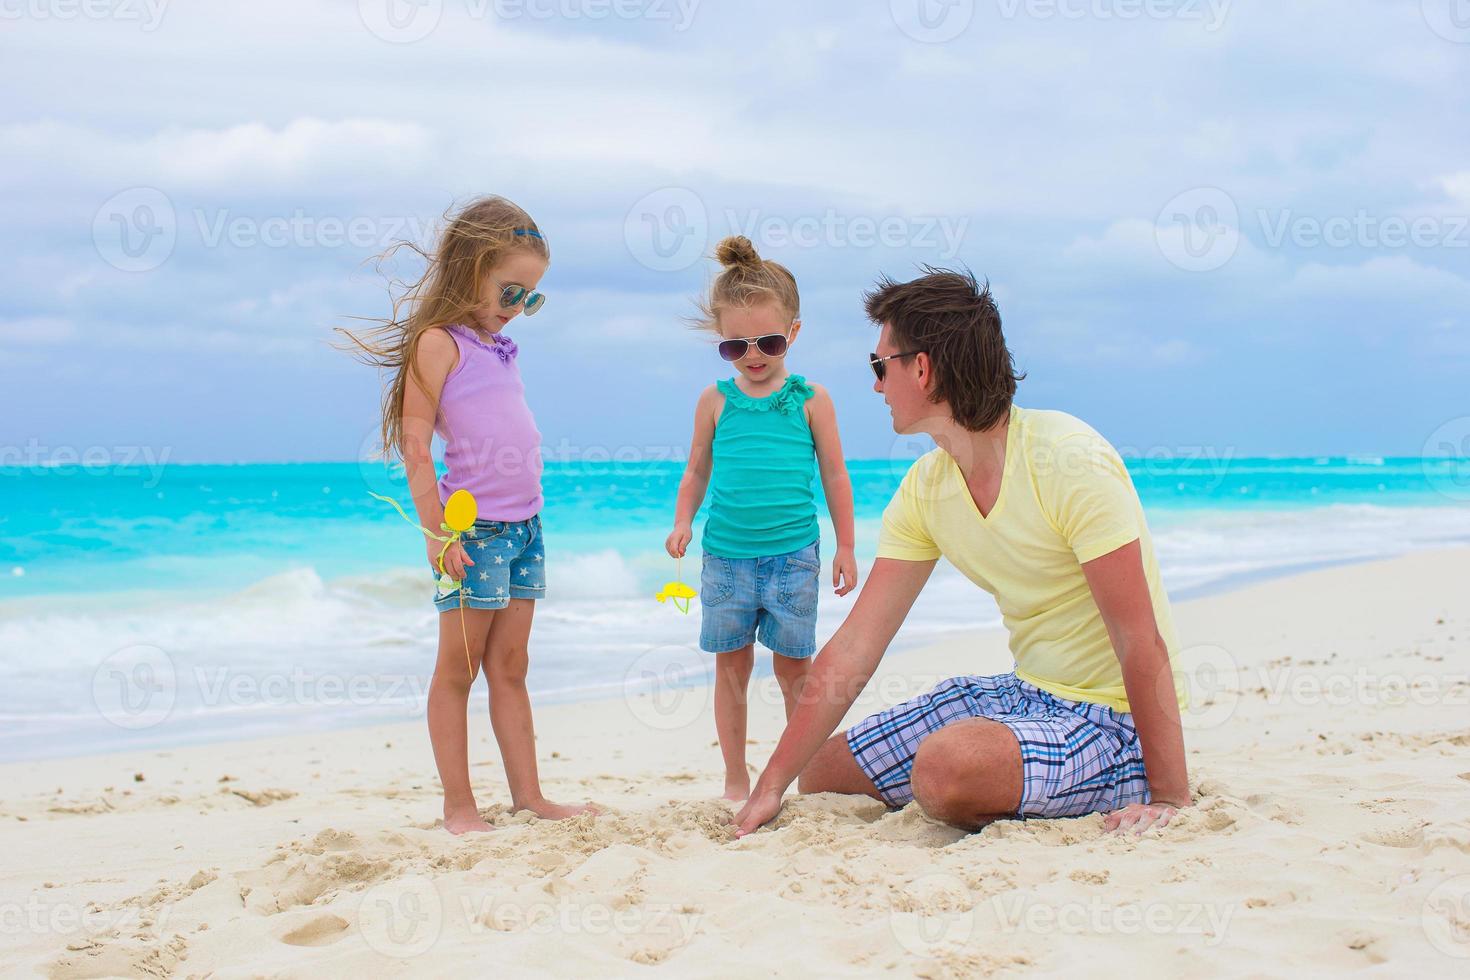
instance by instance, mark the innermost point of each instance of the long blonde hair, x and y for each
(449, 291)
(745, 280)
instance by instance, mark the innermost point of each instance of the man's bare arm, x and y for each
(1120, 589)
(838, 676)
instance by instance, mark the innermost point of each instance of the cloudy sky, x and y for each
(1208, 223)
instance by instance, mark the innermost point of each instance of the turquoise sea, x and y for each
(253, 598)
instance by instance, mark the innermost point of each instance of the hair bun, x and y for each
(738, 251)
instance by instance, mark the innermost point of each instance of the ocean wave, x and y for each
(304, 636)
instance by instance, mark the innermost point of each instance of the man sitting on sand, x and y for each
(1037, 509)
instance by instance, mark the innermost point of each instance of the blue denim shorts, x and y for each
(770, 599)
(509, 563)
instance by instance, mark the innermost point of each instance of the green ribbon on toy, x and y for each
(460, 511)
(459, 516)
(677, 591)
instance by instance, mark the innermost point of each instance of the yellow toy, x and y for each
(460, 512)
(677, 591)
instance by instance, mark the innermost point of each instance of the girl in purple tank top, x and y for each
(454, 373)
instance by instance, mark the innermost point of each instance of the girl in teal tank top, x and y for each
(762, 499)
(759, 440)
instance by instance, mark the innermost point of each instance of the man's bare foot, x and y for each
(737, 790)
(547, 810)
(466, 822)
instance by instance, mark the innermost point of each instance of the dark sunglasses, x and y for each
(771, 345)
(512, 296)
(880, 369)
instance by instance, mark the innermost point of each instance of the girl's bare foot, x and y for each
(547, 810)
(737, 788)
(465, 822)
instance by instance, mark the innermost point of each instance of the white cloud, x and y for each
(1457, 186)
(303, 152)
(1140, 247)
(1058, 140)
(1391, 278)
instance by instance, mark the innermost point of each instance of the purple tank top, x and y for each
(492, 447)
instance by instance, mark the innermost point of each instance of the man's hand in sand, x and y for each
(758, 811)
(1138, 817)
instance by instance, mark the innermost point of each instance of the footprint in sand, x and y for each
(300, 877)
(264, 797)
(321, 930)
(1408, 835)
(1271, 901)
(1455, 836)
(117, 957)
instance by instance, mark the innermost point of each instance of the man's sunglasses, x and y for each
(880, 369)
(512, 296)
(771, 345)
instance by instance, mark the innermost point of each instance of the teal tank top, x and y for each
(762, 501)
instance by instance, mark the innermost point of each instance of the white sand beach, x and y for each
(1329, 748)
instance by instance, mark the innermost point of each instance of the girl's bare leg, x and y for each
(791, 674)
(506, 660)
(732, 685)
(449, 695)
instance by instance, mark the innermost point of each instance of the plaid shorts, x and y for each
(1076, 758)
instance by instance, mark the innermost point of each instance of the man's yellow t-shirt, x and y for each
(1065, 499)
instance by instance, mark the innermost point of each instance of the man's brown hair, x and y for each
(953, 319)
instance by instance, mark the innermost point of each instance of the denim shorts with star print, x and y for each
(509, 563)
